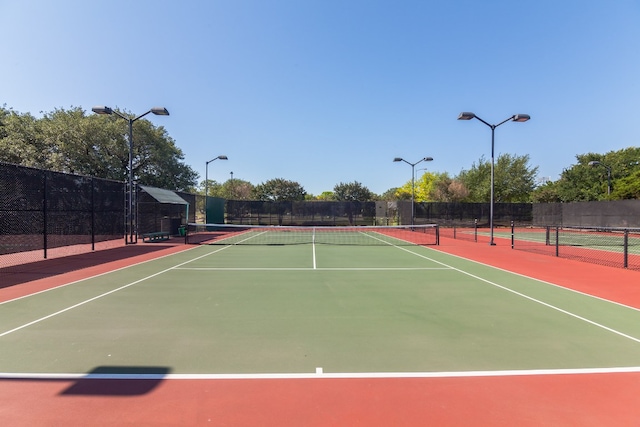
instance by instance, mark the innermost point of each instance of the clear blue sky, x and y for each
(328, 91)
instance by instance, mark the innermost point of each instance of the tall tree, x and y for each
(587, 181)
(627, 187)
(279, 189)
(446, 189)
(237, 189)
(71, 141)
(421, 188)
(352, 191)
(20, 140)
(514, 179)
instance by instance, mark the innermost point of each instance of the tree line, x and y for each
(73, 141)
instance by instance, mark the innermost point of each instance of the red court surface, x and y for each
(611, 399)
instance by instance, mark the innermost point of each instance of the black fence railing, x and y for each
(41, 210)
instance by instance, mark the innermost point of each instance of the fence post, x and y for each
(93, 215)
(557, 240)
(44, 214)
(547, 237)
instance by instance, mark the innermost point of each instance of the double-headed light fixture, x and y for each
(413, 188)
(131, 235)
(515, 118)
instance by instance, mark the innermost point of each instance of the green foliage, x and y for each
(237, 189)
(279, 189)
(514, 179)
(547, 193)
(353, 191)
(326, 195)
(19, 140)
(70, 141)
(390, 194)
(584, 182)
(446, 189)
(627, 187)
(212, 187)
(478, 181)
(74, 142)
(421, 188)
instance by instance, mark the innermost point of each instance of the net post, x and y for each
(557, 240)
(512, 234)
(626, 248)
(475, 230)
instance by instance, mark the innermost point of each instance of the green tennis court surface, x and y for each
(306, 308)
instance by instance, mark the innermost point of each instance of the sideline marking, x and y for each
(530, 298)
(320, 374)
(539, 280)
(97, 275)
(33, 322)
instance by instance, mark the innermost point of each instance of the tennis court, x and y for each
(289, 306)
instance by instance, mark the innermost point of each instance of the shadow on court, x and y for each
(46, 268)
(118, 381)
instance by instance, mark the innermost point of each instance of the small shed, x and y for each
(160, 210)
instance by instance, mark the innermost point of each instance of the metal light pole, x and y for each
(515, 118)
(413, 178)
(206, 184)
(131, 235)
(597, 163)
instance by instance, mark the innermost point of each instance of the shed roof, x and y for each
(164, 196)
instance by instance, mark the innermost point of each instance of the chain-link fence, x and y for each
(41, 210)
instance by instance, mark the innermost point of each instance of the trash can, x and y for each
(182, 231)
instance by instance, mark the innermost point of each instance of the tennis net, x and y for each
(234, 234)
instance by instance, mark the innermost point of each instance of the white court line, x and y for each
(313, 250)
(106, 293)
(551, 306)
(542, 281)
(97, 275)
(321, 374)
(309, 268)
